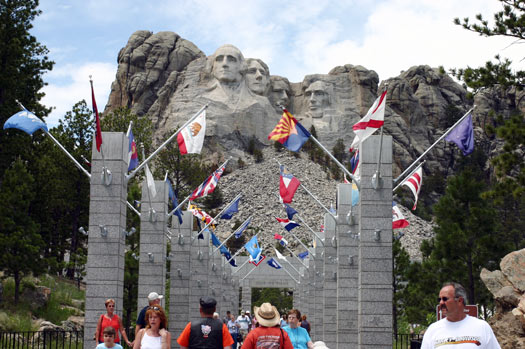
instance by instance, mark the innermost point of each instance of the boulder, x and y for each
(508, 297)
(37, 296)
(494, 280)
(513, 267)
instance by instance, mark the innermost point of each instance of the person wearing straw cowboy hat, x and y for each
(268, 334)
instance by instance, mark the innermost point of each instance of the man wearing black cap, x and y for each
(208, 332)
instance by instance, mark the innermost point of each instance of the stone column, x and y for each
(246, 296)
(375, 248)
(215, 283)
(152, 262)
(347, 256)
(106, 242)
(180, 276)
(330, 283)
(199, 285)
(317, 324)
(236, 294)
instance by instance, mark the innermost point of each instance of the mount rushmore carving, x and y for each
(167, 78)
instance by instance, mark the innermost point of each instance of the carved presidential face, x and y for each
(227, 64)
(280, 93)
(318, 98)
(257, 77)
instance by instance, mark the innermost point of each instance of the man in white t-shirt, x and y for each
(245, 322)
(458, 330)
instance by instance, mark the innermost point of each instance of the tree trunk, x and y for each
(16, 276)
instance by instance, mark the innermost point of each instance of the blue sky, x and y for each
(294, 38)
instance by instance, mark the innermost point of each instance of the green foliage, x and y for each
(508, 22)
(281, 298)
(401, 265)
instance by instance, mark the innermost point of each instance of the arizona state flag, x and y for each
(289, 132)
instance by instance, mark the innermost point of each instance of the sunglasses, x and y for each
(445, 299)
(154, 308)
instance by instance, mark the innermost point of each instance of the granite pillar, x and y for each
(330, 283)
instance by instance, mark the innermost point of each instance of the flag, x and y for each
(208, 186)
(279, 255)
(354, 162)
(289, 132)
(228, 257)
(372, 121)
(191, 138)
(234, 208)
(137, 204)
(133, 156)
(414, 182)
(98, 130)
(322, 228)
(289, 211)
(242, 228)
(398, 220)
(287, 224)
(215, 241)
(332, 209)
(303, 255)
(355, 191)
(200, 214)
(173, 198)
(288, 184)
(257, 261)
(151, 183)
(281, 239)
(253, 249)
(25, 121)
(463, 135)
(273, 263)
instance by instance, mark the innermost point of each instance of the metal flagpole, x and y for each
(432, 146)
(299, 259)
(411, 173)
(242, 265)
(251, 271)
(294, 268)
(228, 238)
(376, 178)
(132, 174)
(312, 195)
(133, 208)
(287, 272)
(67, 153)
(220, 213)
(296, 238)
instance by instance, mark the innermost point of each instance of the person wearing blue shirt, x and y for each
(298, 335)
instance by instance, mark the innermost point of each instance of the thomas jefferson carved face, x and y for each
(257, 77)
(227, 64)
(318, 98)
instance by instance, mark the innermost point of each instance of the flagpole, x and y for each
(151, 210)
(294, 268)
(376, 178)
(132, 174)
(436, 142)
(68, 154)
(246, 261)
(251, 271)
(307, 249)
(133, 208)
(331, 156)
(129, 128)
(224, 209)
(228, 238)
(312, 195)
(299, 259)
(287, 272)
(411, 173)
(239, 250)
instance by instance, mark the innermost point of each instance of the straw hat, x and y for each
(267, 315)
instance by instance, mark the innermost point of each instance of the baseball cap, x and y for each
(208, 302)
(154, 295)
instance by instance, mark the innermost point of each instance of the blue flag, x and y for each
(201, 235)
(273, 263)
(253, 248)
(215, 241)
(234, 208)
(174, 201)
(228, 257)
(26, 121)
(242, 228)
(354, 162)
(463, 135)
(289, 211)
(133, 157)
(303, 255)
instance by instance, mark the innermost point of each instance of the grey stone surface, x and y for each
(105, 271)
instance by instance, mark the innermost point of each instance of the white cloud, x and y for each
(72, 85)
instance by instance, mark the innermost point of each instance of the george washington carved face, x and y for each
(227, 64)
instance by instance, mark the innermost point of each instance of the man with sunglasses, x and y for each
(153, 299)
(457, 330)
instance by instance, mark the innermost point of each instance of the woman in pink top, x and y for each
(113, 320)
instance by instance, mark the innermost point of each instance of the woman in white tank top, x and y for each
(155, 335)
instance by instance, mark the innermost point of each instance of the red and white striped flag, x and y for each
(414, 182)
(398, 220)
(372, 121)
(208, 186)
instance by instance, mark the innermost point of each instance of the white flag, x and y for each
(191, 138)
(372, 121)
(151, 182)
(280, 256)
